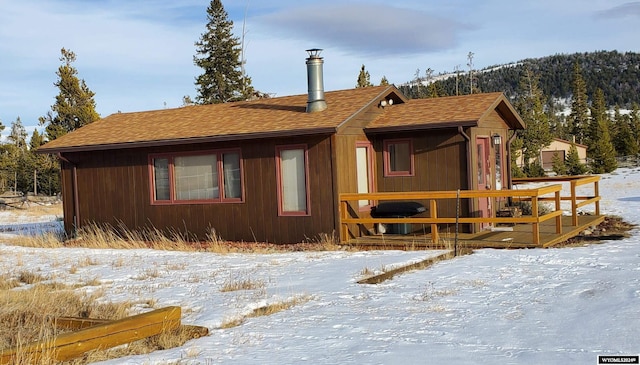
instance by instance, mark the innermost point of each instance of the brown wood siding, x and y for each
(493, 120)
(440, 163)
(67, 196)
(114, 188)
(346, 172)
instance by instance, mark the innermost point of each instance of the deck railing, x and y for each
(350, 215)
(574, 183)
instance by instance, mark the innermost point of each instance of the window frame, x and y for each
(171, 156)
(387, 160)
(280, 192)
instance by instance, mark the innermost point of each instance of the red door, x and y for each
(484, 177)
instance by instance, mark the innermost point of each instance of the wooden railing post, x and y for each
(574, 204)
(558, 218)
(433, 213)
(344, 227)
(596, 192)
(536, 224)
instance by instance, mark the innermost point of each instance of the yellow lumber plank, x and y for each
(73, 344)
(80, 323)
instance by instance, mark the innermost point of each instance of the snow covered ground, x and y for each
(536, 306)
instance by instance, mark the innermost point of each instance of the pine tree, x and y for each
(600, 148)
(634, 123)
(572, 162)
(557, 165)
(624, 141)
(44, 165)
(218, 54)
(384, 81)
(530, 106)
(364, 79)
(74, 106)
(15, 153)
(18, 135)
(434, 90)
(579, 117)
(515, 152)
(557, 120)
(36, 140)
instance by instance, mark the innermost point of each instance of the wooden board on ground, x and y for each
(98, 334)
(376, 279)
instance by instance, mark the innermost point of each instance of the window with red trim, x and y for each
(205, 177)
(293, 180)
(398, 157)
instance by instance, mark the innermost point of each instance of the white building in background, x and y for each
(561, 147)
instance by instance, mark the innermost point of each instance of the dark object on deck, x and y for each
(396, 210)
(509, 212)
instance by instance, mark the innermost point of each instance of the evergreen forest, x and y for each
(590, 98)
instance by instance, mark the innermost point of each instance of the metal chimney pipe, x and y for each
(315, 102)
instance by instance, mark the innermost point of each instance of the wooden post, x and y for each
(433, 213)
(574, 204)
(596, 191)
(344, 228)
(558, 218)
(536, 225)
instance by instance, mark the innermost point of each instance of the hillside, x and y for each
(617, 74)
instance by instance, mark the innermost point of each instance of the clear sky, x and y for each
(138, 54)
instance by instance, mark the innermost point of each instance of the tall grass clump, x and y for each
(45, 240)
(104, 235)
(97, 235)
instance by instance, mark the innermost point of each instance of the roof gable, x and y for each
(446, 112)
(229, 121)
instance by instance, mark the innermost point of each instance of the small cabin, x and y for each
(272, 170)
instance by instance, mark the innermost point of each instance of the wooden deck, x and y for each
(519, 237)
(542, 228)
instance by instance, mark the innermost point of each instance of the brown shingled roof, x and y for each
(240, 120)
(451, 111)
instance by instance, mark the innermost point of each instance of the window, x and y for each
(498, 166)
(364, 171)
(196, 177)
(398, 157)
(292, 175)
(161, 178)
(481, 166)
(212, 176)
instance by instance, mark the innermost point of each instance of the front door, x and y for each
(484, 177)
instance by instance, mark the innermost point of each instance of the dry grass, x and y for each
(274, 308)
(29, 315)
(26, 315)
(34, 210)
(242, 284)
(105, 236)
(46, 240)
(266, 310)
(367, 272)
